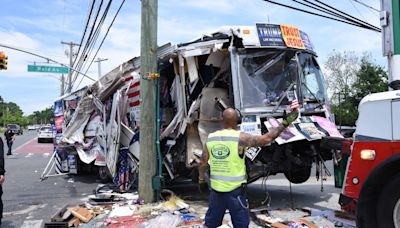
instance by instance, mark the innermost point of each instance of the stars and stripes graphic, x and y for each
(294, 105)
(134, 91)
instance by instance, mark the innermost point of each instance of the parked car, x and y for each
(15, 128)
(31, 128)
(45, 134)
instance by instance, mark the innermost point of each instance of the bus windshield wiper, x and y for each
(319, 103)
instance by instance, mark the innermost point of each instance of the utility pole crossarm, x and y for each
(98, 61)
(71, 63)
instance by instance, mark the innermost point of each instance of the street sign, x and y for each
(48, 69)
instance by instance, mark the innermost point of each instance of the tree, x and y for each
(367, 78)
(371, 78)
(340, 71)
(41, 117)
(11, 113)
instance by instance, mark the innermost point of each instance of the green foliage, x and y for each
(371, 78)
(41, 117)
(368, 78)
(11, 113)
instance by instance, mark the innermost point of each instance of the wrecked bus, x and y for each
(258, 70)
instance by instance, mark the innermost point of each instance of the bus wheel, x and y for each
(299, 175)
(389, 204)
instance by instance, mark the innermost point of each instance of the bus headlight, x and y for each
(368, 154)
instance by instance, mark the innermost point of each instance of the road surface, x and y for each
(29, 202)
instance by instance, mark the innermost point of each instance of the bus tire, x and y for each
(298, 176)
(389, 200)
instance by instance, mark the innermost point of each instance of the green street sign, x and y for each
(48, 69)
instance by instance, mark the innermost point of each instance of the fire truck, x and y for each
(372, 181)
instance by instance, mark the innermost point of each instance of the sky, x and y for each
(39, 26)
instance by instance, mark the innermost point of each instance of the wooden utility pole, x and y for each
(71, 63)
(62, 84)
(98, 61)
(148, 66)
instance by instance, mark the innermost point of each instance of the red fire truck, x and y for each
(372, 182)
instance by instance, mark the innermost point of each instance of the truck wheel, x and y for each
(388, 210)
(298, 176)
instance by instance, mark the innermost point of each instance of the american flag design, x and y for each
(134, 91)
(294, 105)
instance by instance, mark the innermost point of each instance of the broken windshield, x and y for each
(313, 83)
(265, 76)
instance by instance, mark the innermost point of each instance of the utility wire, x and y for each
(105, 36)
(339, 14)
(348, 15)
(321, 9)
(98, 30)
(324, 16)
(93, 39)
(86, 26)
(351, 2)
(368, 6)
(82, 57)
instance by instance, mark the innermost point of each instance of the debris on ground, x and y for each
(110, 209)
(107, 208)
(302, 218)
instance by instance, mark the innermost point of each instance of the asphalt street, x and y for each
(30, 202)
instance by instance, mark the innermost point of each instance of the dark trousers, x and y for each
(9, 144)
(235, 201)
(1, 203)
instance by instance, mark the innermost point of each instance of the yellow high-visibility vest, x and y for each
(227, 168)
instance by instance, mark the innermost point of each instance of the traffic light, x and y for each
(3, 61)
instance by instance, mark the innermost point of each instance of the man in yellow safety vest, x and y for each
(224, 152)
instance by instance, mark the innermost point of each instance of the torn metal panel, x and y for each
(211, 44)
(210, 114)
(192, 68)
(194, 146)
(177, 97)
(86, 106)
(162, 52)
(196, 52)
(72, 96)
(216, 58)
(113, 135)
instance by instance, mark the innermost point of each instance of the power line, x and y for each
(337, 15)
(82, 56)
(105, 36)
(108, 30)
(325, 16)
(319, 8)
(368, 6)
(364, 22)
(91, 40)
(86, 26)
(97, 32)
(357, 10)
(341, 14)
